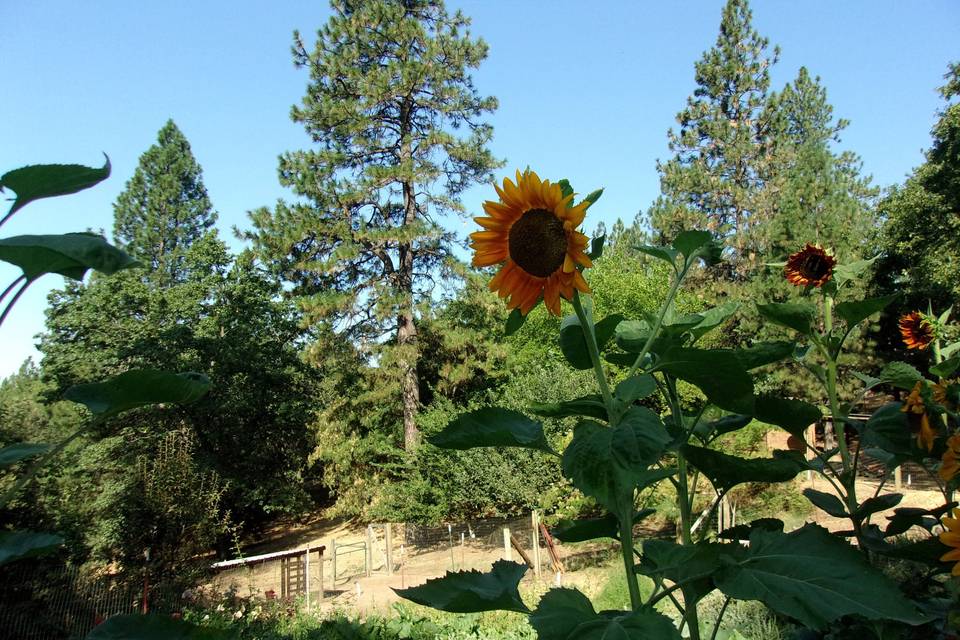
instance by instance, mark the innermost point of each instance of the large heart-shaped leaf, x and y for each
(763, 353)
(692, 564)
(573, 343)
(726, 471)
(828, 502)
(793, 415)
(812, 576)
(713, 318)
(888, 429)
(793, 315)
(153, 627)
(69, 255)
(14, 453)
(900, 374)
(472, 591)
(559, 612)
(16, 545)
(48, 180)
(856, 311)
(139, 388)
(492, 427)
(608, 463)
(733, 390)
(643, 624)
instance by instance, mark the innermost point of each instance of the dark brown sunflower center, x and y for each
(815, 266)
(538, 243)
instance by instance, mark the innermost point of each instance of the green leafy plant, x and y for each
(619, 448)
(72, 255)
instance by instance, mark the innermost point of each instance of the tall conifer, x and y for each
(721, 151)
(397, 123)
(164, 208)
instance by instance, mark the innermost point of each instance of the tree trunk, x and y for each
(406, 327)
(407, 333)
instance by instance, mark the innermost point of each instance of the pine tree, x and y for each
(389, 89)
(721, 151)
(164, 208)
(814, 194)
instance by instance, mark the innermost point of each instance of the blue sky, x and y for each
(587, 91)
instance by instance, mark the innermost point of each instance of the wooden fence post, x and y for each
(333, 560)
(369, 554)
(306, 571)
(507, 550)
(535, 535)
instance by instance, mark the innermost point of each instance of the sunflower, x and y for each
(916, 329)
(951, 538)
(812, 266)
(916, 411)
(951, 465)
(532, 230)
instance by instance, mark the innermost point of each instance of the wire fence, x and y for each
(45, 602)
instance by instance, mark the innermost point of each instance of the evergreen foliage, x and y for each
(397, 123)
(164, 208)
(722, 151)
(759, 169)
(201, 310)
(921, 233)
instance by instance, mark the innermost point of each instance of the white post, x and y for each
(507, 550)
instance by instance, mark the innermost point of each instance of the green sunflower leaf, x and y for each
(855, 312)
(591, 406)
(814, 577)
(607, 464)
(472, 591)
(900, 374)
(593, 528)
(643, 624)
(573, 342)
(693, 564)
(708, 430)
(133, 626)
(139, 388)
(793, 315)
(844, 273)
(877, 504)
(732, 391)
(946, 368)
(826, 502)
(14, 453)
(888, 429)
(47, 180)
(514, 321)
(726, 471)
(559, 611)
(492, 427)
(792, 415)
(565, 188)
(764, 353)
(713, 318)
(69, 255)
(16, 545)
(667, 254)
(690, 242)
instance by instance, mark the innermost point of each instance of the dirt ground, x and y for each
(412, 565)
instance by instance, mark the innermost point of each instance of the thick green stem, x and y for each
(591, 339)
(626, 548)
(687, 539)
(14, 299)
(667, 303)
